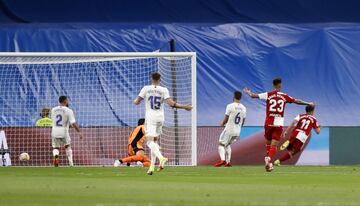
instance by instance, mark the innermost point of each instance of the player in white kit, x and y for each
(154, 96)
(62, 118)
(233, 121)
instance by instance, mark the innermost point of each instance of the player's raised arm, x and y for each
(176, 105)
(290, 128)
(251, 94)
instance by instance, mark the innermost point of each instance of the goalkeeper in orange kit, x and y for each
(135, 147)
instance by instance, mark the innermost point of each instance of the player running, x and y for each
(62, 118)
(135, 147)
(300, 130)
(274, 122)
(154, 96)
(234, 119)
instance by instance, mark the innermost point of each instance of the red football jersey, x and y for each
(305, 123)
(275, 107)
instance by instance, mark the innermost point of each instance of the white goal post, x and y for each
(101, 88)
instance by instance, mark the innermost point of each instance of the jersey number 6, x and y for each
(237, 118)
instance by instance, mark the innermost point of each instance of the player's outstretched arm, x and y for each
(138, 100)
(251, 94)
(289, 129)
(76, 127)
(317, 130)
(301, 102)
(174, 104)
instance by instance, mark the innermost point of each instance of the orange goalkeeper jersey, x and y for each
(136, 140)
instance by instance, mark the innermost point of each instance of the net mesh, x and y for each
(101, 91)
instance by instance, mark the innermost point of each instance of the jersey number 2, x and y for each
(59, 120)
(155, 102)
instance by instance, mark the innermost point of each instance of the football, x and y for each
(24, 156)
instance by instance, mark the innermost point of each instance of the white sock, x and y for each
(228, 153)
(69, 155)
(56, 152)
(153, 159)
(221, 150)
(155, 149)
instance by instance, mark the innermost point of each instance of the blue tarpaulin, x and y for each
(317, 62)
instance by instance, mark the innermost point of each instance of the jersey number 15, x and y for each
(155, 102)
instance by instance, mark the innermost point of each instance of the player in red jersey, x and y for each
(300, 130)
(274, 121)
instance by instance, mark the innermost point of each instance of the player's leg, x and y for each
(268, 138)
(228, 155)
(221, 149)
(276, 135)
(162, 160)
(294, 147)
(138, 157)
(56, 151)
(228, 151)
(145, 160)
(151, 134)
(69, 154)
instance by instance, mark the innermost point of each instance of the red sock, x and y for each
(267, 149)
(286, 156)
(272, 151)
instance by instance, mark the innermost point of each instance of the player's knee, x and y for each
(294, 151)
(56, 152)
(149, 138)
(140, 153)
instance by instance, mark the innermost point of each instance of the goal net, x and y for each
(101, 88)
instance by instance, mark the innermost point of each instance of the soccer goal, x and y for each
(101, 88)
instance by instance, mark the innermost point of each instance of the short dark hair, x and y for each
(237, 95)
(155, 76)
(277, 81)
(141, 121)
(62, 99)
(309, 108)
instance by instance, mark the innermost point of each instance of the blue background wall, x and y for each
(317, 61)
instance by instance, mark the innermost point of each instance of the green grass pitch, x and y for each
(180, 186)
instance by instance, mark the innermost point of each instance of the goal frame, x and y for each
(133, 55)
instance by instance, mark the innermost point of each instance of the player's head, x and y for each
(155, 78)
(45, 112)
(277, 83)
(141, 121)
(63, 100)
(309, 109)
(237, 95)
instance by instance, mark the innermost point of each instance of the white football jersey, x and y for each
(62, 117)
(237, 114)
(154, 97)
